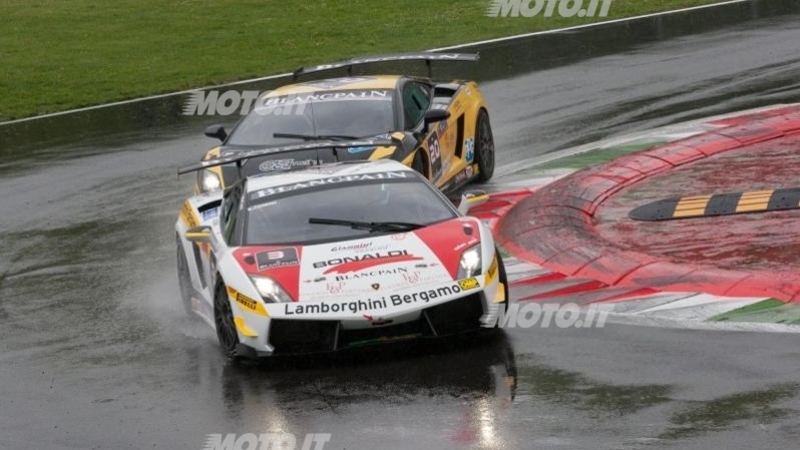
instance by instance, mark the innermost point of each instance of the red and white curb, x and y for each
(530, 282)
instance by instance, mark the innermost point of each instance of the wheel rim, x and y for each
(487, 147)
(223, 319)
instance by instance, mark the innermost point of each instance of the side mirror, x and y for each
(198, 235)
(470, 199)
(435, 115)
(216, 132)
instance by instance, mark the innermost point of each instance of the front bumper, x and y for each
(294, 337)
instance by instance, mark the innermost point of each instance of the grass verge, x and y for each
(60, 55)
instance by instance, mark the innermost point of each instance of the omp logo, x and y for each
(265, 441)
(468, 283)
(531, 8)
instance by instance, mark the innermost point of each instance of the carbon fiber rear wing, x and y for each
(238, 156)
(412, 56)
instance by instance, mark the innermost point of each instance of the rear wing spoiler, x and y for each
(239, 156)
(413, 56)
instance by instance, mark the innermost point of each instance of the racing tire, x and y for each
(223, 321)
(184, 279)
(484, 147)
(496, 330)
(503, 279)
(418, 163)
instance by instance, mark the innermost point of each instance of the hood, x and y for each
(369, 266)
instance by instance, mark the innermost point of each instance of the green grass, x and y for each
(63, 54)
(594, 157)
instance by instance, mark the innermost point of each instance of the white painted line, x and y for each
(284, 75)
(666, 133)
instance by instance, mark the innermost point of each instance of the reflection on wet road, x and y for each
(96, 352)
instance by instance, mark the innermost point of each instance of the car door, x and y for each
(416, 100)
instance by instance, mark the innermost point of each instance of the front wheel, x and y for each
(223, 321)
(184, 279)
(484, 147)
(503, 278)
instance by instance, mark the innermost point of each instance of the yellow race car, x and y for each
(440, 129)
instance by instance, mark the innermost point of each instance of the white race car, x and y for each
(335, 256)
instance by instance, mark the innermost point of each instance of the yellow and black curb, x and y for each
(718, 205)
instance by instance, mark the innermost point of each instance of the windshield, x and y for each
(284, 218)
(348, 113)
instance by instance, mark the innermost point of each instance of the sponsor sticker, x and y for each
(383, 302)
(469, 149)
(492, 272)
(355, 263)
(272, 165)
(394, 175)
(188, 216)
(468, 283)
(412, 278)
(210, 213)
(277, 258)
(246, 302)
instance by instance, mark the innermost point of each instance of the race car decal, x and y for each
(188, 215)
(279, 263)
(292, 99)
(441, 128)
(491, 273)
(444, 238)
(469, 149)
(272, 165)
(373, 274)
(436, 155)
(277, 258)
(210, 214)
(395, 262)
(246, 303)
(394, 175)
(360, 262)
(382, 303)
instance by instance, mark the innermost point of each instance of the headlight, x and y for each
(470, 264)
(210, 181)
(270, 290)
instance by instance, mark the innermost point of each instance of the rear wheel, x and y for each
(484, 147)
(184, 279)
(223, 320)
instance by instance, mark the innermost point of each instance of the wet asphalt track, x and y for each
(95, 351)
